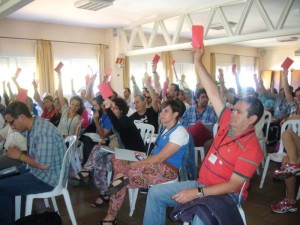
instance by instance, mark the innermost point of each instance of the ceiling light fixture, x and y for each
(219, 26)
(286, 39)
(93, 5)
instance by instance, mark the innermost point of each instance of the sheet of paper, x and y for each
(105, 90)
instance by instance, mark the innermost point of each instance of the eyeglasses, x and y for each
(11, 122)
(148, 97)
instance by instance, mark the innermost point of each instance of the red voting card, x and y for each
(287, 63)
(233, 68)
(156, 59)
(58, 67)
(197, 36)
(18, 71)
(173, 62)
(22, 95)
(105, 90)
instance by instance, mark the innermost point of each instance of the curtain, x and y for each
(167, 59)
(126, 77)
(212, 66)
(44, 67)
(236, 61)
(101, 62)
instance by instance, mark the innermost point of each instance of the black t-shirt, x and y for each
(150, 117)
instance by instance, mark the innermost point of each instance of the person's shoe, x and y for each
(288, 169)
(284, 206)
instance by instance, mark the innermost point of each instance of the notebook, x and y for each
(129, 155)
(95, 137)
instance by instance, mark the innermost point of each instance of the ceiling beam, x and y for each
(171, 40)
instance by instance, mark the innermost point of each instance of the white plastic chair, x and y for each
(277, 157)
(266, 120)
(60, 189)
(241, 210)
(133, 193)
(146, 132)
(201, 149)
(76, 159)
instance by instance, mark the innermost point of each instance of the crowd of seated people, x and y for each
(172, 110)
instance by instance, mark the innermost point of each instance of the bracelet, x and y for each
(21, 157)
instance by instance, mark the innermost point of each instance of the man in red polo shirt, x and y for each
(231, 160)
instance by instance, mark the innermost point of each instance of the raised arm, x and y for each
(89, 90)
(157, 84)
(208, 83)
(72, 88)
(154, 102)
(136, 89)
(224, 91)
(60, 93)
(37, 96)
(237, 78)
(12, 97)
(286, 86)
(5, 95)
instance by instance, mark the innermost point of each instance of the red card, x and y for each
(287, 63)
(58, 67)
(173, 62)
(18, 71)
(197, 36)
(22, 95)
(87, 79)
(105, 90)
(156, 59)
(233, 68)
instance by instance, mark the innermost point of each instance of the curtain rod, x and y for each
(69, 42)
(231, 54)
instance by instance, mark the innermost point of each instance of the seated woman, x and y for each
(162, 166)
(70, 119)
(289, 170)
(99, 160)
(46, 105)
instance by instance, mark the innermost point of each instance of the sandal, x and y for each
(112, 222)
(113, 189)
(99, 205)
(81, 181)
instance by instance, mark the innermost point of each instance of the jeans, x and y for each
(160, 197)
(22, 184)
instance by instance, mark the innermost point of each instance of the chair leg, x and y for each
(298, 195)
(46, 203)
(69, 206)
(133, 193)
(18, 207)
(264, 172)
(28, 207)
(54, 204)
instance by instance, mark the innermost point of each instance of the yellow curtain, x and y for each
(212, 66)
(101, 62)
(44, 67)
(126, 77)
(236, 61)
(167, 59)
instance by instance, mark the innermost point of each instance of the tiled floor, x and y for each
(257, 207)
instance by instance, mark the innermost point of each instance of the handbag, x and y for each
(45, 218)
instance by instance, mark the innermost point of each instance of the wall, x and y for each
(272, 58)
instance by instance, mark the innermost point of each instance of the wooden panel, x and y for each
(277, 80)
(295, 79)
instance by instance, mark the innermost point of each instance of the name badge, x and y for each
(212, 158)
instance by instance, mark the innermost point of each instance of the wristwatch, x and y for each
(200, 192)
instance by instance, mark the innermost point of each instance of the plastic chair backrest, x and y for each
(267, 118)
(259, 126)
(289, 124)
(215, 129)
(63, 177)
(146, 132)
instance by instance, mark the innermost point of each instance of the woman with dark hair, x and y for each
(162, 166)
(70, 120)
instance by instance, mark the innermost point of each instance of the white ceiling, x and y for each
(124, 13)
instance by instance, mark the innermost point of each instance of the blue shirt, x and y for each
(105, 123)
(46, 144)
(191, 116)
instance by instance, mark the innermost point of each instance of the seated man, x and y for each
(290, 168)
(232, 159)
(46, 149)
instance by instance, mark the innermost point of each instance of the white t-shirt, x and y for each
(13, 138)
(179, 136)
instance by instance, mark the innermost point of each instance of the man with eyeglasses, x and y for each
(46, 149)
(230, 162)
